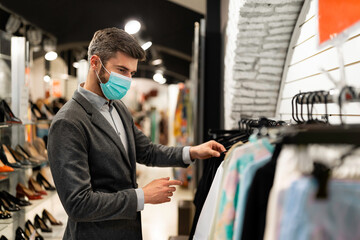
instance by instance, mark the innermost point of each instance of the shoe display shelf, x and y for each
(51, 202)
(9, 180)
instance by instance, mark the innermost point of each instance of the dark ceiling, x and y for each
(73, 22)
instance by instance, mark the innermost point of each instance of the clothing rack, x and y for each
(345, 94)
(246, 125)
(318, 134)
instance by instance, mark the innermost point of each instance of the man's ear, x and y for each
(94, 62)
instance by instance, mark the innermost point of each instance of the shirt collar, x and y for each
(97, 101)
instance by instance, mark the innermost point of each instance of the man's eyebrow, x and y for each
(121, 66)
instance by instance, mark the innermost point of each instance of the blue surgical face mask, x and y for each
(117, 86)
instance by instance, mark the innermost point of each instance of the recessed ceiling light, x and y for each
(76, 65)
(159, 78)
(47, 78)
(50, 56)
(157, 61)
(146, 45)
(132, 27)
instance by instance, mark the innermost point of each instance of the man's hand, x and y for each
(159, 190)
(206, 150)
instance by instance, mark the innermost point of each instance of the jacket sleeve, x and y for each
(68, 157)
(158, 155)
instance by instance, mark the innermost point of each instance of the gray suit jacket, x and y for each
(94, 176)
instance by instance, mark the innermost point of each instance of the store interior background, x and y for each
(222, 60)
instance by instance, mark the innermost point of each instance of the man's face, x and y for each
(121, 63)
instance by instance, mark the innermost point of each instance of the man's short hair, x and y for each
(107, 42)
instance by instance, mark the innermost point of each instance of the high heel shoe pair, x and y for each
(22, 192)
(7, 158)
(36, 187)
(30, 230)
(14, 200)
(8, 204)
(19, 157)
(40, 223)
(35, 190)
(6, 115)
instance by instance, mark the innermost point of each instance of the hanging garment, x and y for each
(246, 180)
(336, 217)
(211, 168)
(203, 226)
(223, 225)
(286, 172)
(256, 202)
(294, 162)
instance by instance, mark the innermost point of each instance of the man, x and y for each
(94, 145)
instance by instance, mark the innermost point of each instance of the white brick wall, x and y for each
(258, 36)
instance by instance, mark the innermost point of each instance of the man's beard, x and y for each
(102, 76)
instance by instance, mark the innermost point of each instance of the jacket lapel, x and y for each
(129, 133)
(99, 120)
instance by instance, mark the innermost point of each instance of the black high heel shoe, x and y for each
(48, 216)
(21, 203)
(4, 214)
(7, 158)
(39, 223)
(9, 116)
(26, 155)
(42, 180)
(20, 234)
(37, 113)
(9, 206)
(29, 229)
(18, 157)
(3, 238)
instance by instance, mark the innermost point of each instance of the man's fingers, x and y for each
(171, 189)
(214, 153)
(222, 148)
(174, 182)
(219, 147)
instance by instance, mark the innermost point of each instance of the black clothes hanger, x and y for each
(322, 173)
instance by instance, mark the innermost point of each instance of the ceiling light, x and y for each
(50, 56)
(159, 78)
(132, 27)
(76, 65)
(157, 61)
(47, 78)
(146, 45)
(162, 81)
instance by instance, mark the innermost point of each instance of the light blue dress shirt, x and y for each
(106, 108)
